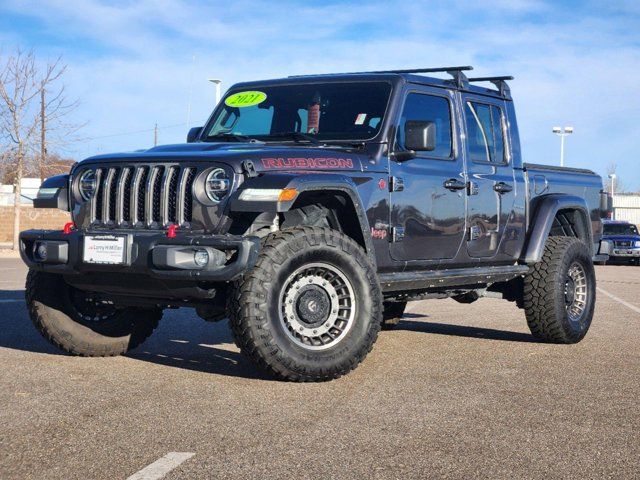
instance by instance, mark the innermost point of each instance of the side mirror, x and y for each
(420, 136)
(193, 134)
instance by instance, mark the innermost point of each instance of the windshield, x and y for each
(321, 112)
(620, 229)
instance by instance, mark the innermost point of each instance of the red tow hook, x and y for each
(171, 231)
(68, 228)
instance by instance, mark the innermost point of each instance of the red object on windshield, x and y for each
(313, 118)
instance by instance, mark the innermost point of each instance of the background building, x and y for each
(626, 206)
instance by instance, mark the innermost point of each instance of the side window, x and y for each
(485, 135)
(419, 106)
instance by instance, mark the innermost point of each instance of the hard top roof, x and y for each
(458, 81)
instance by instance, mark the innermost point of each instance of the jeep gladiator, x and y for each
(309, 210)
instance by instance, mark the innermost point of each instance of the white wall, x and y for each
(29, 189)
(627, 207)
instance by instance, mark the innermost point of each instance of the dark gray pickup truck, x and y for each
(309, 210)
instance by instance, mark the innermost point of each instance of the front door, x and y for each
(490, 175)
(428, 191)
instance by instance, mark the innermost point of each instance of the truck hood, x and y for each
(264, 157)
(621, 238)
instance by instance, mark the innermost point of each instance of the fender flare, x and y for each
(545, 209)
(303, 183)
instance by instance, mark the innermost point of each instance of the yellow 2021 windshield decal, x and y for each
(245, 99)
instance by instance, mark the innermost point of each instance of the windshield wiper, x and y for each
(232, 136)
(296, 136)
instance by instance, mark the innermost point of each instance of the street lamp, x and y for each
(216, 82)
(562, 132)
(612, 176)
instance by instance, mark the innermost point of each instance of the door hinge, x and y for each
(398, 234)
(249, 168)
(396, 184)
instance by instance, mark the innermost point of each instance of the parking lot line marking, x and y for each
(619, 300)
(162, 466)
(11, 300)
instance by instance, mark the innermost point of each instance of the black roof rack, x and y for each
(499, 82)
(426, 70)
(456, 72)
(459, 78)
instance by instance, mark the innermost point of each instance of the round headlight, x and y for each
(87, 184)
(217, 185)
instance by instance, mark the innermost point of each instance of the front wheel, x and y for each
(74, 322)
(311, 308)
(560, 292)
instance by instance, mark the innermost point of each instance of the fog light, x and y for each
(41, 251)
(201, 258)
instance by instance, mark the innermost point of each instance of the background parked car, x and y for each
(625, 241)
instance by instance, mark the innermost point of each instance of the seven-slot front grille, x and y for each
(145, 196)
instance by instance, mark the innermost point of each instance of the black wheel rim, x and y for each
(317, 306)
(88, 309)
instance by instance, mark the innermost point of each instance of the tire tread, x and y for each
(248, 303)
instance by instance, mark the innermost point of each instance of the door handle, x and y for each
(502, 187)
(454, 184)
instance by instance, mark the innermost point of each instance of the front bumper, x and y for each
(627, 252)
(235, 255)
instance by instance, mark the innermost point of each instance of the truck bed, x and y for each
(580, 182)
(555, 168)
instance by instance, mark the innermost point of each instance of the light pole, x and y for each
(612, 176)
(562, 133)
(216, 82)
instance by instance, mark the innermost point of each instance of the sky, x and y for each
(136, 64)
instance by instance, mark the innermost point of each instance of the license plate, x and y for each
(105, 249)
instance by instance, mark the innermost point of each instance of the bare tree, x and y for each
(55, 129)
(620, 186)
(20, 87)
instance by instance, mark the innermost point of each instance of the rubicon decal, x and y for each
(303, 162)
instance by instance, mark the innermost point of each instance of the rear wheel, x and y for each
(74, 322)
(560, 292)
(311, 308)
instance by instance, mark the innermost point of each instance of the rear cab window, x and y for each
(485, 133)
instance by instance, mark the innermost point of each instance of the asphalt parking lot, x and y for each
(456, 391)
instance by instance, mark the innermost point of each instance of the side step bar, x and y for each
(458, 277)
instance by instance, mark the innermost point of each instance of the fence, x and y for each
(30, 218)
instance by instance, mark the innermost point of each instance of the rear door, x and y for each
(428, 191)
(490, 174)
